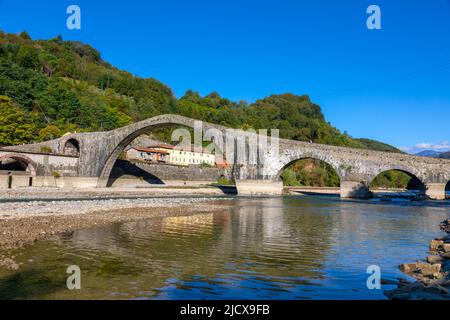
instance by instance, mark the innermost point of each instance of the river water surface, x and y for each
(268, 248)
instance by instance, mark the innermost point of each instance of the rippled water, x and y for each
(269, 248)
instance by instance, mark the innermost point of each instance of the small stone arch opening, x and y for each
(397, 182)
(309, 172)
(16, 171)
(72, 147)
(10, 165)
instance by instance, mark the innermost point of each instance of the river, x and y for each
(313, 247)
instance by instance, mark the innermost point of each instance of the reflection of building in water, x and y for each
(197, 223)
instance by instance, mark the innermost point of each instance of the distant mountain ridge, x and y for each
(428, 153)
(434, 154)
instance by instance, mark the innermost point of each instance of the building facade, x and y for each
(166, 153)
(147, 154)
(186, 157)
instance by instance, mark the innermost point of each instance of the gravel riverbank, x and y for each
(60, 208)
(46, 193)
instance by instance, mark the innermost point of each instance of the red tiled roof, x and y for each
(150, 150)
(192, 149)
(163, 146)
(141, 149)
(169, 146)
(158, 151)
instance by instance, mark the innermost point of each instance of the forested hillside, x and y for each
(49, 87)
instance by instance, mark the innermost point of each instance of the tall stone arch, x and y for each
(115, 141)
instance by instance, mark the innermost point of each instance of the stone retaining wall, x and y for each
(126, 173)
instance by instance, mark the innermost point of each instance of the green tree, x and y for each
(289, 178)
(49, 132)
(28, 57)
(14, 127)
(25, 35)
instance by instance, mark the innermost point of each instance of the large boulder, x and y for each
(435, 259)
(435, 245)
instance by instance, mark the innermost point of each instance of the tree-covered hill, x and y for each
(49, 87)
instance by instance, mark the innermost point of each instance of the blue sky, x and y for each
(391, 84)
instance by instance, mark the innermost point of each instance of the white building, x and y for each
(188, 157)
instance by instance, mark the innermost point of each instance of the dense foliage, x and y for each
(66, 85)
(310, 172)
(397, 180)
(14, 127)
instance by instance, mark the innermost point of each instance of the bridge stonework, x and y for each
(98, 151)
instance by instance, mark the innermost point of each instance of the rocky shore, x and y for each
(25, 222)
(432, 273)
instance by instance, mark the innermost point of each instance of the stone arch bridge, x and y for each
(86, 160)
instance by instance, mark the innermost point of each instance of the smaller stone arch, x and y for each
(286, 161)
(26, 162)
(293, 159)
(71, 146)
(412, 172)
(416, 184)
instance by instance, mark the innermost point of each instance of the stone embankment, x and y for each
(432, 274)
